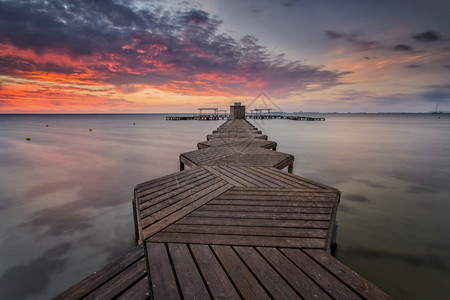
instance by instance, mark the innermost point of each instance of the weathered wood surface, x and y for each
(127, 275)
(239, 142)
(236, 156)
(233, 226)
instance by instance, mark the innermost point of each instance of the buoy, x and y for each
(46, 125)
(134, 123)
(28, 138)
(90, 129)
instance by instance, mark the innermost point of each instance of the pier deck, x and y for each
(230, 229)
(238, 142)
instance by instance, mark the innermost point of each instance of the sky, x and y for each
(123, 56)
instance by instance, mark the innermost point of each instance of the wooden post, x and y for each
(135, 217)
(291, 168)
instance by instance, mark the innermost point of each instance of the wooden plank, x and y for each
(290, 178)
(261, 215)
(224, 171)
(279, 196)
(237, 240)
(268, 277)
(271, 202)
(284, 191)
(164, 284)
(177, 188)
(258, 171)
(248, 181)
(276, 176)
(266, 208)
(174, 183)
(158, 205)
(160, 183)
(347, 275)
(248, 230)
(259, 143)
(103, 275)
(223, 176)
(121, 282)
(190, 280)
(215, 277)
(246, 284)
(319, 275)
(312, 183)
(263, 181)
(140, 290)
(254, 222)
(236, 176)
(180, 201)
(163, 223)
(292, 274)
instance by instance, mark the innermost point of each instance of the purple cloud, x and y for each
(125, 44)
(427, 36)
(402, 47)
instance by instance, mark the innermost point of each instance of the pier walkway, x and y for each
(231, 227)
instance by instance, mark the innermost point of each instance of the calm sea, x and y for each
(65, 195)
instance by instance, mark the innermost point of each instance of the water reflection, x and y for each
(69, 186)
(72, 186)
(393, 174)
(34, 276)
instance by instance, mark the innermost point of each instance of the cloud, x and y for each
(355, 39)
(115, 42)
(437, 93)
(333, 34)
(447, 67)
(427, 36)
(414, 66)
(402, 47)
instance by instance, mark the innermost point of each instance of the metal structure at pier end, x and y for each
(233, 225)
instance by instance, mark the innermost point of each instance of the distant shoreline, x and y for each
(287, 113)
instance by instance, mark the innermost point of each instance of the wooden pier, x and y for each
(231, 226)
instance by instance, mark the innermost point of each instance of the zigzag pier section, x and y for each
(234, 225)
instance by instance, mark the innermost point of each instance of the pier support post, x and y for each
(333, 241)
(135, 220)
(291, 168)
(181, 166)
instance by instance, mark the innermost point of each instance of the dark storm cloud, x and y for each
(427, 36)
(144, 46)
(11, 64)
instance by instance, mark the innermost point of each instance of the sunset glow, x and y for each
(139, 56)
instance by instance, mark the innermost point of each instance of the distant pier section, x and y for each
(213, 113)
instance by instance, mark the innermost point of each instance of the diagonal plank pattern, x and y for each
(232, 226)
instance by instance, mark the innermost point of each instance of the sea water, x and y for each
(65, 195)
